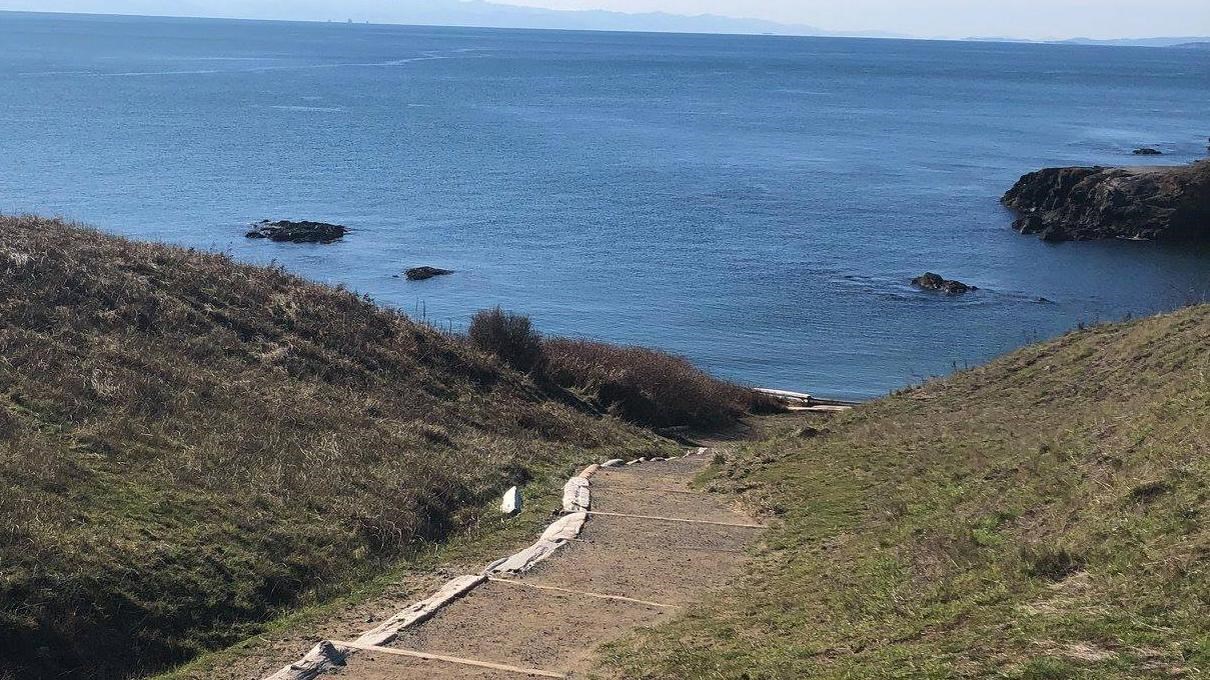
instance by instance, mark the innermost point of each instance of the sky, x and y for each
(1032, 19)
(1019, 18)
(1037, 19)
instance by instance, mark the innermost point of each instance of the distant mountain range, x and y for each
(1199, 41)
(430, 12)
(487, 14)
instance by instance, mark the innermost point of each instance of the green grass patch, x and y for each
(1043, 516)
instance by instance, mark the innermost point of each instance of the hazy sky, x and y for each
(924, 18)
(1018, 18)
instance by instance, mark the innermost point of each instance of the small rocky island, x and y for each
(286, 231)
(1169, 203)
(425, 273)
(940, 284)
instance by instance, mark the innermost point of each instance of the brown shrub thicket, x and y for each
(648, 387)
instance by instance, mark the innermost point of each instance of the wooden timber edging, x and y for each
(582, 593)
(329, 655)
(428, 656)
(577, 497)
(656, 518)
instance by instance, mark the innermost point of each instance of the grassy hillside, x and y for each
(1044, 516)
(189, 445)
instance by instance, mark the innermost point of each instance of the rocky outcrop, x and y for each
(1148, 151)
(285, 231)
(1146, 203)
(940, 284)
(423, 273)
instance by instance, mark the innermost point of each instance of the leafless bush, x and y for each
(509, 336)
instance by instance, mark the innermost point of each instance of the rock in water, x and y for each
(1148, 151)
(285, 231)
(1079, 204)
(422, 273)
(936, 282)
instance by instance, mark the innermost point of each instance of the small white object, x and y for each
(511, 504)
(616, 462)
(798, 397)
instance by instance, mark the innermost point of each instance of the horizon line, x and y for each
(822, 33)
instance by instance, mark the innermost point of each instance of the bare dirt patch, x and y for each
(660, 562)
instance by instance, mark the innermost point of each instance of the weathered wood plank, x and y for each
(325, 657)
(322, 658)
(576, 495)
(525, 560)
(585, 593)
(421, 611)
(657, 518)
(555, 536)
(566, 528)
(428, 656)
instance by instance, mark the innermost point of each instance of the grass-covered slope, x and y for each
(1044, 516)
(188, 445)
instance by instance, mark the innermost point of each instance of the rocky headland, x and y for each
(1138, 203)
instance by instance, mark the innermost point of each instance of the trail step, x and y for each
(427, 656)
(679, 519)
(585, 593)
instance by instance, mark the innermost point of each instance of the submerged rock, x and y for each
(938, 283)
(286, 231)
(1148, 151)
(422, 273)
(1145, 203)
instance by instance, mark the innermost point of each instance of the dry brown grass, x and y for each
(189, 445)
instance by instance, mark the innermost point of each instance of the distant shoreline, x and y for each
(1182, 42)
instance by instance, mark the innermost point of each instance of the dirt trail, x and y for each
(552, 618)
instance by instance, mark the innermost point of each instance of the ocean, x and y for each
(757, 204)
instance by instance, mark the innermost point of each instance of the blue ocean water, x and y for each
(755, 203)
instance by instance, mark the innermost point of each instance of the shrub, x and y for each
(511, 337)
(646, 386)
